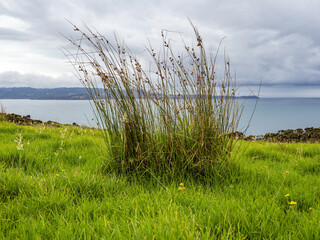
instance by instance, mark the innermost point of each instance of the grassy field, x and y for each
(56, 184)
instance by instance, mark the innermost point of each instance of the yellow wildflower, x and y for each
(287, 195)
(57, 174)
(310, 208)
(181, 188)
(181, 184)
(292, 203)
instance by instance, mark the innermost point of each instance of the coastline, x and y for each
(310, 134)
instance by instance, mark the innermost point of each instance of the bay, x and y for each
(270, 115)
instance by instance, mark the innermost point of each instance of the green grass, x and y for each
(60, 186)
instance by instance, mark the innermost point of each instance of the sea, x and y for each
(258, 117)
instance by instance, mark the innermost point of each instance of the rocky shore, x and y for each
(26, 120)
(309, 134)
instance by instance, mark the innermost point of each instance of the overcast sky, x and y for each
(276, 40)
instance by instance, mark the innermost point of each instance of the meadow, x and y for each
(55, 183)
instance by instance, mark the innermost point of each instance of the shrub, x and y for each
(175, 118)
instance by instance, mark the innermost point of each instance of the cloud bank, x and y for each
(277, 41)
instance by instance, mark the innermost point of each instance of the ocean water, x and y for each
(274, 114)
(270, 115)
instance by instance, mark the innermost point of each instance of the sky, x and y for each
(276, 41)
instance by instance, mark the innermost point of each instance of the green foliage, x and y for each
(173, 119)
(59, 186)
(298, 135)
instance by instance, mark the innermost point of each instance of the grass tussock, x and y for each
(173, 118)
(2, 112)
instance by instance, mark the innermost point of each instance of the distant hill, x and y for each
(44, 93)
(56, 93)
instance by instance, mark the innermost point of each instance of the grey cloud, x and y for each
(13, 35)
(16, 79)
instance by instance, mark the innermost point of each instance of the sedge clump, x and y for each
(173, 117)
